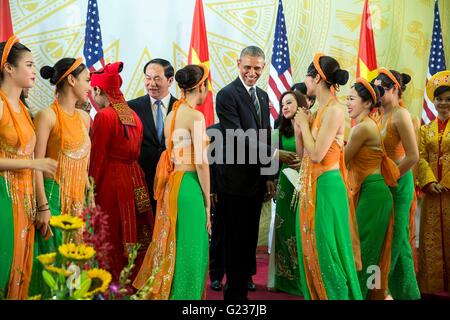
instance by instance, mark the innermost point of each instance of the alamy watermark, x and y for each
(228, 147)
(374, 280)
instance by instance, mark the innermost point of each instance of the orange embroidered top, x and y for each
(70, 145)
(17, 141)
(10, 137)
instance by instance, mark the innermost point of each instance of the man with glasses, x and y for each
(152, 109)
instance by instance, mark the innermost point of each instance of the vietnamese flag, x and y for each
(367, 58)
(366, 67)
(199, 53)
(6, 27)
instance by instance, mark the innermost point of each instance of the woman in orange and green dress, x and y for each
(370, 172)
(17, 199)
(400, 142)
(62, 133)
(327, 237)
(176, 263)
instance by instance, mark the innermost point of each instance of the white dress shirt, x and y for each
(248, 88)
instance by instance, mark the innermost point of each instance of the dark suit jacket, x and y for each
(210, 131)
(151, 148)
(236, 110)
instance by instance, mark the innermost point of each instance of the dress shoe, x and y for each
(216, 285)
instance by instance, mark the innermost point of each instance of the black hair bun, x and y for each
(182, 77)
(47, 72)
(341, 77)
(406, 78)
(189, 76)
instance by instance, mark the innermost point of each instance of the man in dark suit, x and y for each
(243, 183)
(152, 109)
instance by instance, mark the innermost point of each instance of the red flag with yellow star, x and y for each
(199, 53)
(6, 27)
(367, 58)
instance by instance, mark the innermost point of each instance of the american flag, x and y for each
(280, 78)
(93, 46)
(436, 64)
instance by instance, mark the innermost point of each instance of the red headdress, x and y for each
(109, 81)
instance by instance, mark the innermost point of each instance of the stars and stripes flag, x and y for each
(280, 78)
(436, 64)
(93, 46)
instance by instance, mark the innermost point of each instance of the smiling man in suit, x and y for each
(152, 109)
(243, 111)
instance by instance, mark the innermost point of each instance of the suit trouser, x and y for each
(216, 249)
(241, 216)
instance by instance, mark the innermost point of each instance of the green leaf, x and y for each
(84, 276)
(49, 280)
(61, 279)
(84, 288)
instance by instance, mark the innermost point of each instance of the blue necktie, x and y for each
(159, 120)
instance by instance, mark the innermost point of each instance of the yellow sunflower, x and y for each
(76, 252)
(47, 259)
(100, 280)
(66, 222)
(57, 270)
